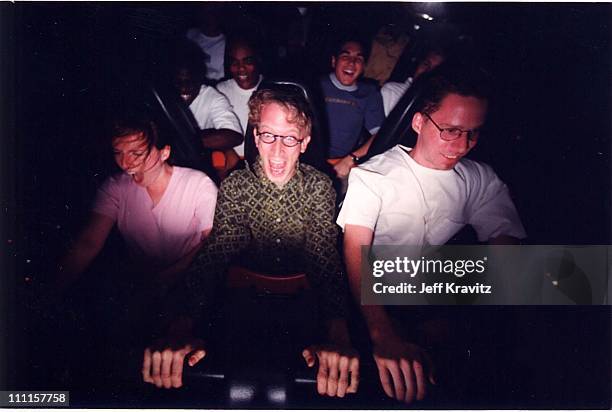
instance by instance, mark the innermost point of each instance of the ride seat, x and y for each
(239, 277)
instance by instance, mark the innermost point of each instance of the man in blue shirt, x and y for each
(352, 106)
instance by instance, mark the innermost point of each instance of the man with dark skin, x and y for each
(220, 128)
(243, 60)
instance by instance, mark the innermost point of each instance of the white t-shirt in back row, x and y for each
(239, 99)
(212, 110)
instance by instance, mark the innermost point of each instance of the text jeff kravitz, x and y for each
(435, 288)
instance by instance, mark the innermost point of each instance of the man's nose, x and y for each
(277, 146)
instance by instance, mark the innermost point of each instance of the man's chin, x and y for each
(278, 178)
(348, 81)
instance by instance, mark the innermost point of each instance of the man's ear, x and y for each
(333, 62)
(417, 122)
(255, 137)
(304, 144)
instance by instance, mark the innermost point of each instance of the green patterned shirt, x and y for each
(275, 231)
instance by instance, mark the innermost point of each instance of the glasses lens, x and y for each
(267, 137)
(454, 134)
(451, 134)
(290, 141)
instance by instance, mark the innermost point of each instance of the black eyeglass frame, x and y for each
(276, 136)
(472, 135)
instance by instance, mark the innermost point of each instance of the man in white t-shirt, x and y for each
(244, 62)
(211, 40)
(423, 196)
(219, 125)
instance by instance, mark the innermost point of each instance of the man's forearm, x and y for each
(363, 150)
(338, 332)
(181, 327)
(377, 320)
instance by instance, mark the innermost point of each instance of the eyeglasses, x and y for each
(269, 138)
(454, 133)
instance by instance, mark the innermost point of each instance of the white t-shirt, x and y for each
(161, 234)
(214, 47)
(391, 93)
(212, 110)
(405, 203)
(239, 99)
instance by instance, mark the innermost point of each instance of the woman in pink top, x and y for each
(163, 212)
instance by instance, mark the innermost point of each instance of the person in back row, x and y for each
(219, 126)
(274, 217)
(423, 196)
(393, 91)
(208, 36)
(354, 108)
(244, 62)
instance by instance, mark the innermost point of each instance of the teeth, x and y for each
(277, 168)
(185, 97)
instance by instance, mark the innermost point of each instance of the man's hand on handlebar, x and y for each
(404, 369)
(336, 368)
(163, 361)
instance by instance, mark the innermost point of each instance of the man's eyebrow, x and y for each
(244, 58)
(348, 52)
(455, 126)
(264, 126)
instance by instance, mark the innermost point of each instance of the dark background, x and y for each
(550, 137)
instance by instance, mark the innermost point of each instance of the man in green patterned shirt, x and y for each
(275, 216)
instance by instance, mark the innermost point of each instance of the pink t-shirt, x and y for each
(162, 234)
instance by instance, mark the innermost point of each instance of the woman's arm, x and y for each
(87, 246)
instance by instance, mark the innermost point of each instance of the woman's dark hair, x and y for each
(131, 122)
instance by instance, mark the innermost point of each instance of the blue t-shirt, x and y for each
(349, 110)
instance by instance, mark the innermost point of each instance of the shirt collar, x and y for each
(248, 91)
(336, 82)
